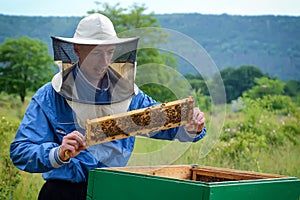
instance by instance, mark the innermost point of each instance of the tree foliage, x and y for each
(235, 80)
(292, 88)
(238, 80)
(265, 86)
(127, 18)
(248, 81)
(198, 83)
(25, 64)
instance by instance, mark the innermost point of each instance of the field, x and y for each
(255, 140)
(278, 159)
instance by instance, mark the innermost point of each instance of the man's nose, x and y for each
(105, 58)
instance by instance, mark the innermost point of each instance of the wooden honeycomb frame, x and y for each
(138, 122)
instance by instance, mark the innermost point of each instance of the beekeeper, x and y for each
(96, 79)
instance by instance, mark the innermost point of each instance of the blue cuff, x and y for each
(197, 135)
(184, 136)
(55, 161)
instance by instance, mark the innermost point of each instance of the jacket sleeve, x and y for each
(34, 141)
(141, 100)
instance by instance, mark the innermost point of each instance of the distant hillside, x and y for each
(271, 43)
(36, 27)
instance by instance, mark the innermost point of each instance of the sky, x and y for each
(80, 7)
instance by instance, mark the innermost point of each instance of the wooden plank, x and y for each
(138, 122)
(183, 172)
(229, 174)
(235, 171)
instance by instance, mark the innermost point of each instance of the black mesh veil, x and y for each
(74, 86)
(63, 51)
(125, 52)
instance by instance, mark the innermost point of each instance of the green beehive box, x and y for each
(189, 182)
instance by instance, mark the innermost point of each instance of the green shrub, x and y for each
(269, 122)
(10, 176)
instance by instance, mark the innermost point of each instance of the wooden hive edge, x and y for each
(231, 173)
(183, 172)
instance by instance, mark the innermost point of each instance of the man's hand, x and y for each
(71, 145)
(197, 123)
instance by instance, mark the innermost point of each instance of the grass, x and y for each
(284, 160)
(29, 186)
(11, 106)
(13, 110)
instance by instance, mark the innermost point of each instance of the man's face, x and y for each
(94, 60)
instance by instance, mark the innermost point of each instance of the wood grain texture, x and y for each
(215, 174)
(197, 173)
(138, 122)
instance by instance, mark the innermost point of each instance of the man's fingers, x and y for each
(197, 123)
(75, 137)
(72, 144)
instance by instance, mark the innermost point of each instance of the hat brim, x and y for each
(115, 40)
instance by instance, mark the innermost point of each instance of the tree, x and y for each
(239, 80)
(198, 83)
(25, 65)
(265, 86)
(292, 88)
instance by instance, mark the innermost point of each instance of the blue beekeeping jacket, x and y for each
(49, 118)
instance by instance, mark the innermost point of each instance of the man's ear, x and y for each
(76, 49)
